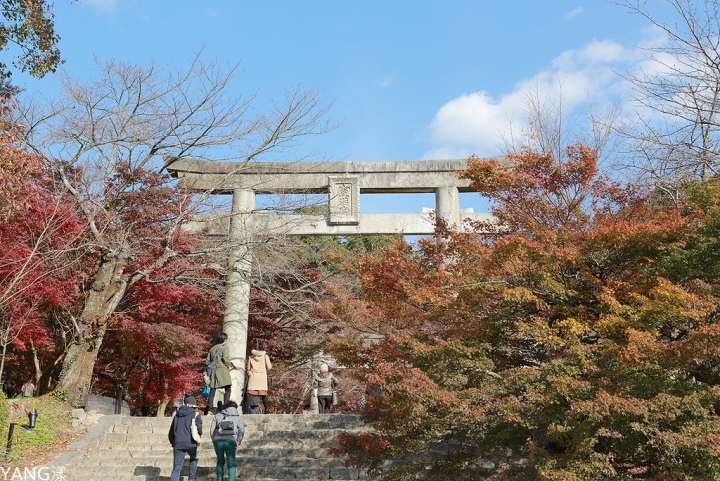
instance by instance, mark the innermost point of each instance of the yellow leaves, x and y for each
(669, 293)
(606, 295)
(668, 301)
(558, 334)
(518, 294)
(521, 295)
(572, 326)
(560, 387)
(425, 297)
(648, 305)
(556, 430)
(612, 326)
(538, 330)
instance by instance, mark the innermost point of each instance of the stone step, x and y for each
(316, 442)
(115, 451)
(164, 427)
(94, 477)
(254, 419)
(245, 460)
(271, 472)
(270, 436)
(121, 463)
(275, 447)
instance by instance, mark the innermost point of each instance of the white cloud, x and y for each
(573, 13)
(471, 122)
(476, 122)
(383, 84)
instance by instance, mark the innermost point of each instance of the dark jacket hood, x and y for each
(180, 433)
(185, 411)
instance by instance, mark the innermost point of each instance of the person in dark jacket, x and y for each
(220, 374)
(226, 444)
(180, 436)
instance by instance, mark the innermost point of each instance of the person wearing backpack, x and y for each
(227, 431)
(218, 371)
(180, 436)
(258, 365)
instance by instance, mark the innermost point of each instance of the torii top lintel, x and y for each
(407, 176)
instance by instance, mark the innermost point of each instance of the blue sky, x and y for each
(409, 79)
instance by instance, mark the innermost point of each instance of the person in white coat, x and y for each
(258, 365)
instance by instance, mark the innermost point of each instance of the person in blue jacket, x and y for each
(180, 436)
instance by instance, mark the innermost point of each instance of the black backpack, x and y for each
(227, 426)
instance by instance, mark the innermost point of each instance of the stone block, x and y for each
(78, 414)
(104, 404)
(120, 428)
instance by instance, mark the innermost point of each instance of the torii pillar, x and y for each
(447, 205)
(237, 293)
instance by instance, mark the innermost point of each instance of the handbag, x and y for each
(335, 397)
(194, 431)
(208, 371)
(206, 391)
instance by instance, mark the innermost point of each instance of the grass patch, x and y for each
(53, 431)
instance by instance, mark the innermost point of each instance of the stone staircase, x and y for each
(275, 447)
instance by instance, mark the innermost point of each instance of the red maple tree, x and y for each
(41, 238)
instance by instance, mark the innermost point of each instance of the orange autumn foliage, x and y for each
(578, 341)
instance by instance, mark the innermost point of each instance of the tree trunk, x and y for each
(79, 363)
(78, 369)
(48, 375)
(161, 408)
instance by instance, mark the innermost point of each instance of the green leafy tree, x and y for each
(29, 26)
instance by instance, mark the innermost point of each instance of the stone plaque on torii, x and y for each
(343, 182)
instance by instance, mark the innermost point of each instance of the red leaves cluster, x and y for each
(157, 344)
(41, 237)
(364, 448)
(48, 261)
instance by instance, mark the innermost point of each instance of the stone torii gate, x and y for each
(343, 182)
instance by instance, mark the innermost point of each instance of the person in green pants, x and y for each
(227, 431)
